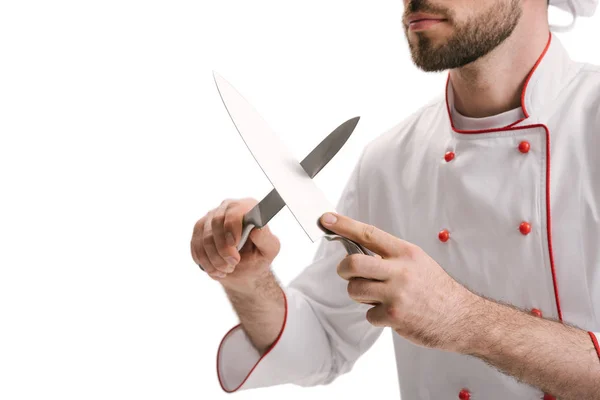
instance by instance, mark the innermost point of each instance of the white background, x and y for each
(114, 141)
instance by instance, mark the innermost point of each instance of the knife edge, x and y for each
(312, 164)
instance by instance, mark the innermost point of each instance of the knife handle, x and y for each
(246, 229)
(350, 246)
(250, 221)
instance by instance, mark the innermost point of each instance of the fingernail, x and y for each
(230, 239)
(329, 219)
(231, 261)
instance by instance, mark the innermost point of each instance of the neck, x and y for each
(493, 84)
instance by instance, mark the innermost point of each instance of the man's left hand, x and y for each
(411, 293)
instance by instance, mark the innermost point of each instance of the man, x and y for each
(483, 212)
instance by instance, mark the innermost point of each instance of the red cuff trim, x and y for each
(595, 341)
(263, 356)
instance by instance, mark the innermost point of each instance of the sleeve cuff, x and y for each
(299, 354)
(595, 336)
(237, 357)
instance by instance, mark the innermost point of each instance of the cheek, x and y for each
(468, 6)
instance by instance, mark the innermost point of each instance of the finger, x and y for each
(234, 215)
(226, 249)
(200, 257)
(379, 315)
(369, 236)
(366, 291)
(208, 267)
(197, 246)
(211, 249)
(264, 240)
(363, 266)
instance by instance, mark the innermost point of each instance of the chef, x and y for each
(482, 210)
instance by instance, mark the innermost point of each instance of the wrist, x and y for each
(261, 307)
(250, 286)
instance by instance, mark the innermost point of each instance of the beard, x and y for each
(471, 39)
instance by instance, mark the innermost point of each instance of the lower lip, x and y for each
(424, 24)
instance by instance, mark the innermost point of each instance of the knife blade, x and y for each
(313, 163)
(293, 184)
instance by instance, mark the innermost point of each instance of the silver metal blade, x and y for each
(297, 189)
(313, 163)
(265, 210)
(324, 152)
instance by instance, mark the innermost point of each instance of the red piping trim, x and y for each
(263, 356)
(548, 208)
(595, 341)
(516, 122)
(549, 223)
(512, 127)
(531, 74)
(523, 92)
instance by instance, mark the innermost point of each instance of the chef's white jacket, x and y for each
(512, 213)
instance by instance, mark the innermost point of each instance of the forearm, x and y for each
(261, 310)
(557, 358)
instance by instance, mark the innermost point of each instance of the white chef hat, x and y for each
(577, 8)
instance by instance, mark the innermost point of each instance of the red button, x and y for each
(464, 395)
(525, 228)
(524, 147)
(536, 313)
(549, 397)
(444, 235)
(449, 156)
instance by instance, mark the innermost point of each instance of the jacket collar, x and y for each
(544, 83)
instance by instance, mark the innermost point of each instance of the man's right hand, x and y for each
(214, 246)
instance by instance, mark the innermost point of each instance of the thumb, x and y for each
(264, 240)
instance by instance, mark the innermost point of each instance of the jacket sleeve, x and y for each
(324, 332)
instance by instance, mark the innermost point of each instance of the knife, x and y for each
(292, 180)
(268, 207)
